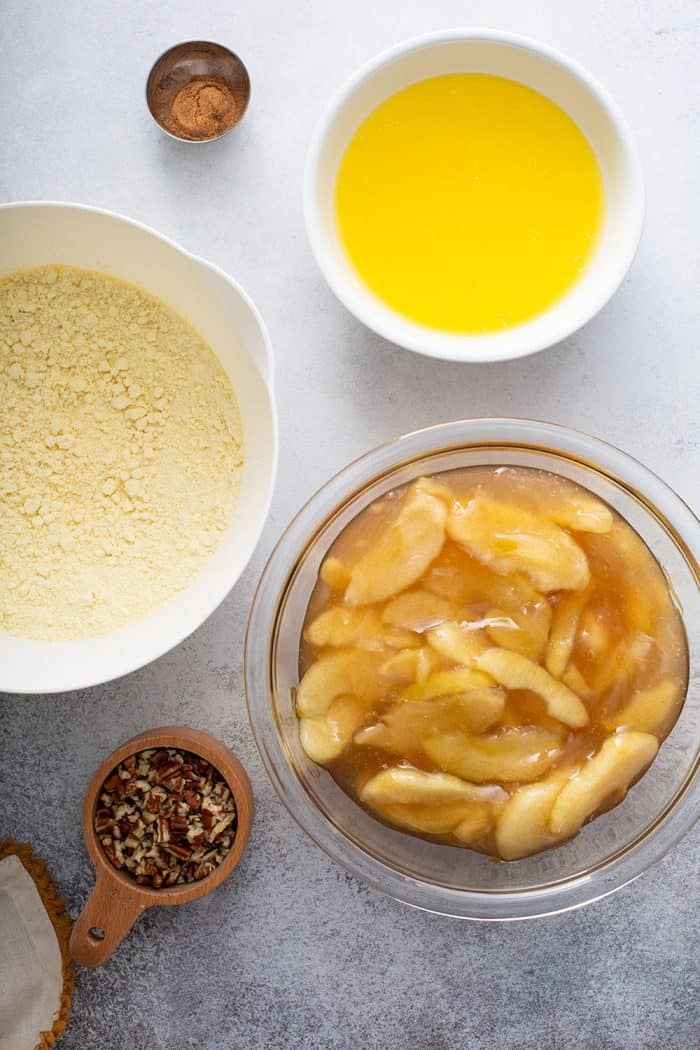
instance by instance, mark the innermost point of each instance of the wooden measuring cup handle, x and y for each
(111, 910)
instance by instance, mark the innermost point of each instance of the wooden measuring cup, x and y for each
(118, 900)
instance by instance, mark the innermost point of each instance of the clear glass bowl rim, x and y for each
(627, 472)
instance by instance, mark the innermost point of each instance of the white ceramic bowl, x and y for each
(538, 66)
(34, 234)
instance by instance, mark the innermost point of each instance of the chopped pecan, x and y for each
(221, 826)
(168, 770)
(178, 850)
(166, 817)
(111, 855)
(155, 801)
(163, 829)
(103, 819)
(204, 869)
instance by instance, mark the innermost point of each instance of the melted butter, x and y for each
(469, 202)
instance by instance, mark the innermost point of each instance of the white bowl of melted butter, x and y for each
(139, 444)
(473, 195)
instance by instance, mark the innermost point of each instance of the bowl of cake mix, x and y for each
(138, 440)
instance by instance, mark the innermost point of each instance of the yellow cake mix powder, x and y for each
(121, 453)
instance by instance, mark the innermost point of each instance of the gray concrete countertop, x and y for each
(291, 952)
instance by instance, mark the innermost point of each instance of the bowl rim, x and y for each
(459, 347)
(626, 863)
(79, 679)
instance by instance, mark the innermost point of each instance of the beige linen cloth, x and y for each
(36, 974)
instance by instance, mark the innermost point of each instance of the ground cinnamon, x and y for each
(202, 109)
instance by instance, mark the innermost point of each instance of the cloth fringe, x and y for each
(60, 918)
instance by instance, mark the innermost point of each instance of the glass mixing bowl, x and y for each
(610, 851)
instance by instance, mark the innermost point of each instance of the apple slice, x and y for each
(517, 672)
(506, 756)
(461, 578)
(510, 539)
(650, 709)
(524, 631)
(402, 553)
(476, 823)
(567, 613)
(577, 683)
(582, 513)
(343, 625)
(522, 826)
(462, 643)
(348, 672)
(621, 758)
(447, 683)
(418, 611)
(408, 786)
(404, 727)
(409, 666)
(325, 737)
(437, 489)
(468, 820)
(334, 574)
